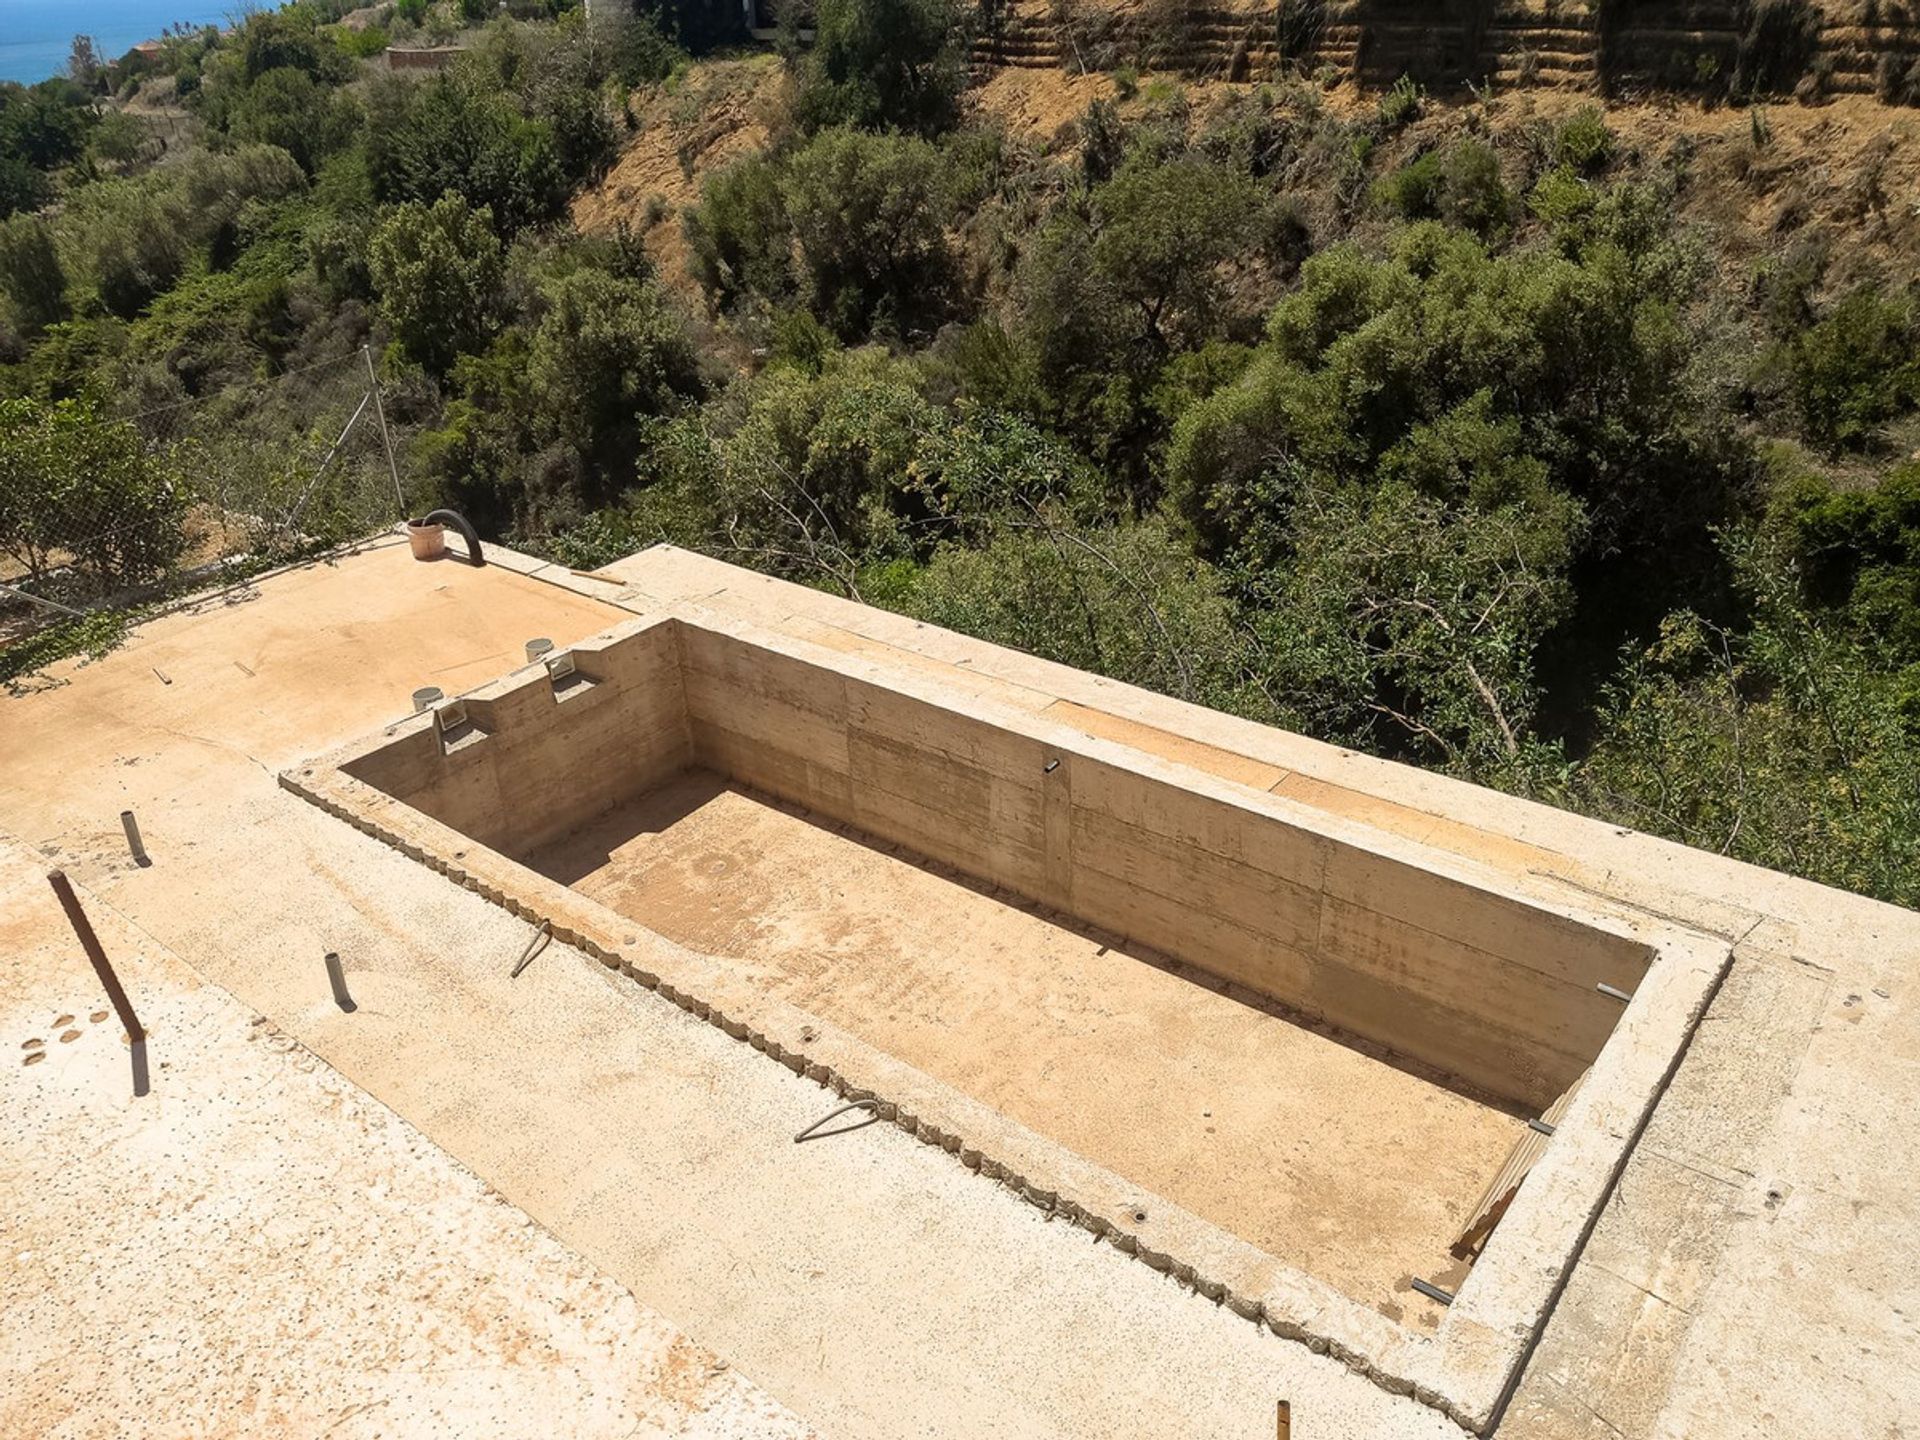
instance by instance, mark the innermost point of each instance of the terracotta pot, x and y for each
(429, 541)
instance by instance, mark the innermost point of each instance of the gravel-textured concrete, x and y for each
(257, 1247)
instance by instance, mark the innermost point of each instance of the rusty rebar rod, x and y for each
(91, 944)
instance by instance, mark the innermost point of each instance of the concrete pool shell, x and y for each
(1269, 1050)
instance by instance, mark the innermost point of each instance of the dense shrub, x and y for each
(457, 134)
(85, 509)
(31, 275)
(607, 353)
(869, 215)
(1482, 381)
(1856, 368)
(45, 126)
(1785, 743)
(739, 237)
(288, 108)
(1858, 553)
(852, 224)
(1460, 184)
(1128, 601)
(437, 271)
(884, 64)
(1583, 143)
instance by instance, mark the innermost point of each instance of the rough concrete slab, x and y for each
(872, 1288)
(256, 1247)
(871, 1284)
(958, 777)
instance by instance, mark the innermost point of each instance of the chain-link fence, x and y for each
(103, 513)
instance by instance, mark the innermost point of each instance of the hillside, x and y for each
(1708, 48)
(1552, 422)
(1843, 174)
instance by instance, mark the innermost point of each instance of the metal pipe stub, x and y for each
(132, 827)
(337, 978)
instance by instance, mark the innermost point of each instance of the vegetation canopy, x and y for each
(1427, 426)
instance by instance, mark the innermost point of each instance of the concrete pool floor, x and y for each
(1326, 1158)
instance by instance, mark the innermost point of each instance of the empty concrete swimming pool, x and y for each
(1297, 1064)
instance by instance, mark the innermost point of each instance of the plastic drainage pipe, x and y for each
(457, 521)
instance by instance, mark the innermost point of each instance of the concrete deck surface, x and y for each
(1326, 1158)
(256, 1247)
(871, 1285)
(1753, 1274)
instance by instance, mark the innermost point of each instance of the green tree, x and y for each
(608, 353)
(464, 134)
(83, 496)
(739, 236)
(869, 216)
(31, 276)
(876, 64)
(45, 125)
(1857, 553)
(21, 186)
(1112, 289)
(1409, 623)
(1857, 367)
(1162, 234)
(1574, 371)
(437, 269)
(810, 481)
(288, 108)
(288, 39)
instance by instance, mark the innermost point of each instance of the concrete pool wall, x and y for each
(1499, 995)
(1398, 947)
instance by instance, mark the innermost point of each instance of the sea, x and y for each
(36, 35)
